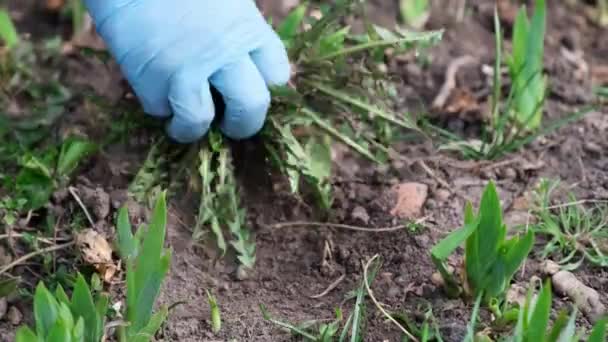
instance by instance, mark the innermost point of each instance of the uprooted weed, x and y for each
(339, 92)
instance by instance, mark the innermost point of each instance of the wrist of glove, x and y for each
(172, 52)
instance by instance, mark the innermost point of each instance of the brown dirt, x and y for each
(296, 263)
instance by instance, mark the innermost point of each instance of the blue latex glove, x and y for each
(170, 51)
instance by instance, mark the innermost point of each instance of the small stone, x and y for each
(423, 241)
(442, 195)
(508, 173)
(360, 214)
(241, 273)
(393, 291)
(410, 200)
(14, 316)
(3, 307)
(437, 280)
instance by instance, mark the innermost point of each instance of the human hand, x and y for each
(171, 51)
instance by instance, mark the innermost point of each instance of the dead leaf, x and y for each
(96, 251)
(461, 101)
(410, 199)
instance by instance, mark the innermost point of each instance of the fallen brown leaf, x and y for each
(96, 251)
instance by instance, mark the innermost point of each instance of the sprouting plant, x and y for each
(534, 317)
(352, 330)
(491, 259)
(82, 318)
(526, 67)
(220, 207)
(575, 233)
(427, 331)
(147, 263)
(60, 319)
(338, 93)
(42, 173)
(516, 119)
(8, 32)
(415, 12)
(216, 318)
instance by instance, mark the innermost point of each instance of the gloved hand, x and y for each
(170, 51)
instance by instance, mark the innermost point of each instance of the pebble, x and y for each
(410, 200)
(442, 195)
(241, 273)
(509, 173)
(14, 316)
(360, 214)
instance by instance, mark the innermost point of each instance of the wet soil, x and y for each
(296, 263)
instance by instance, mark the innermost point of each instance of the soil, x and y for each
(296, 263)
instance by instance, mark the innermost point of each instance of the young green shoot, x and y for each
(517, 119)
(491, 259)
(533, 323)
(8, 32)
(147, 263)
(59, 318)
(216, 318)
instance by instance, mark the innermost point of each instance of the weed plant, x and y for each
(575, 233)
(338, 93)
(491, 259)
(517, 119)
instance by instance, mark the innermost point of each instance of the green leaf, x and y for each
(289, 27)
(473, 259)
(539, 319)
(147, 333)
(216, 318)
(8, 286)
(83, 306)
(8, 32)
(36, 187)
(78, 331)
(520, 35)
(72, 152)
(61, 296)
(60, 332)
(517, 253)
(491, 229)
(558, 326)
(449, 244)
(598, 334)
(414, 12)
(568, 334)
(25, 334)
(127, 245)
(45, 310)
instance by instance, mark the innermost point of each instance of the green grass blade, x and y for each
(598, 334)
(331, 130)
(82, 306)
(147, 333)
(470, 337)
(346, 98)
(449, 244)
(8, 32)
(491, 229)
(45, 310)
(290, 25)
(25, 334)
(127, 246)
(539, 319)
